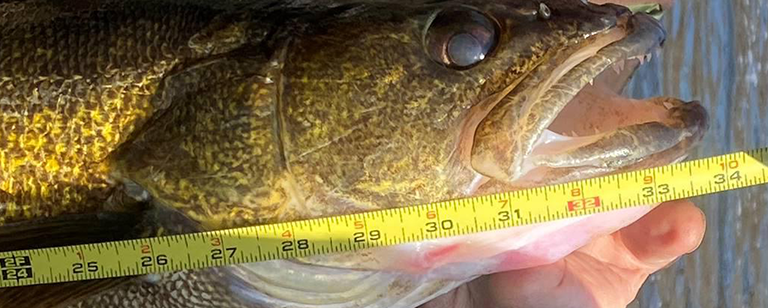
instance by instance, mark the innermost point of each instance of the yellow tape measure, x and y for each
(384, 227)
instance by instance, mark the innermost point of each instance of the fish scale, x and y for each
(72, 90)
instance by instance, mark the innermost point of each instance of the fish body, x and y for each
(76, 83)
(190, 118)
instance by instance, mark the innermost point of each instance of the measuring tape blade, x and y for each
(384, 227)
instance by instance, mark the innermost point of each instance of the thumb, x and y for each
(663, 235)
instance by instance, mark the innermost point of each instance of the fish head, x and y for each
(400, 104)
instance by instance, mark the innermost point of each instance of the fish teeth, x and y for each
(591, 82)
(617, 69)
(642, 58)
(619, 66)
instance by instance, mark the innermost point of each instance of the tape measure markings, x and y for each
(380, 228)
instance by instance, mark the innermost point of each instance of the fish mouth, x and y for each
(569, 121)
(599, 79)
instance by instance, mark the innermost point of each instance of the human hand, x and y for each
(608, 272)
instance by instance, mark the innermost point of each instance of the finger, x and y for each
(669, 231)
(552, 285)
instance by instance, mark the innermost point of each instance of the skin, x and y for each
(274, 131)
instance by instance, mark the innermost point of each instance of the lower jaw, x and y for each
(597, 109)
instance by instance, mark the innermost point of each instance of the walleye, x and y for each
(123, 119)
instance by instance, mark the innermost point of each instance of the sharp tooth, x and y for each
(641, 59)
(621, 65)
(591, 82)
(650, 56)
(617, 69)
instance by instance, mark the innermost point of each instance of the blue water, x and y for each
(716, 53)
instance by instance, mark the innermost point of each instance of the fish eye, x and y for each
(460, 38)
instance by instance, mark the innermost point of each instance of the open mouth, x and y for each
(599, 79)
(573, 123)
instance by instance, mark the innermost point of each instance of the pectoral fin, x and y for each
(55, 295)
(63, 231)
